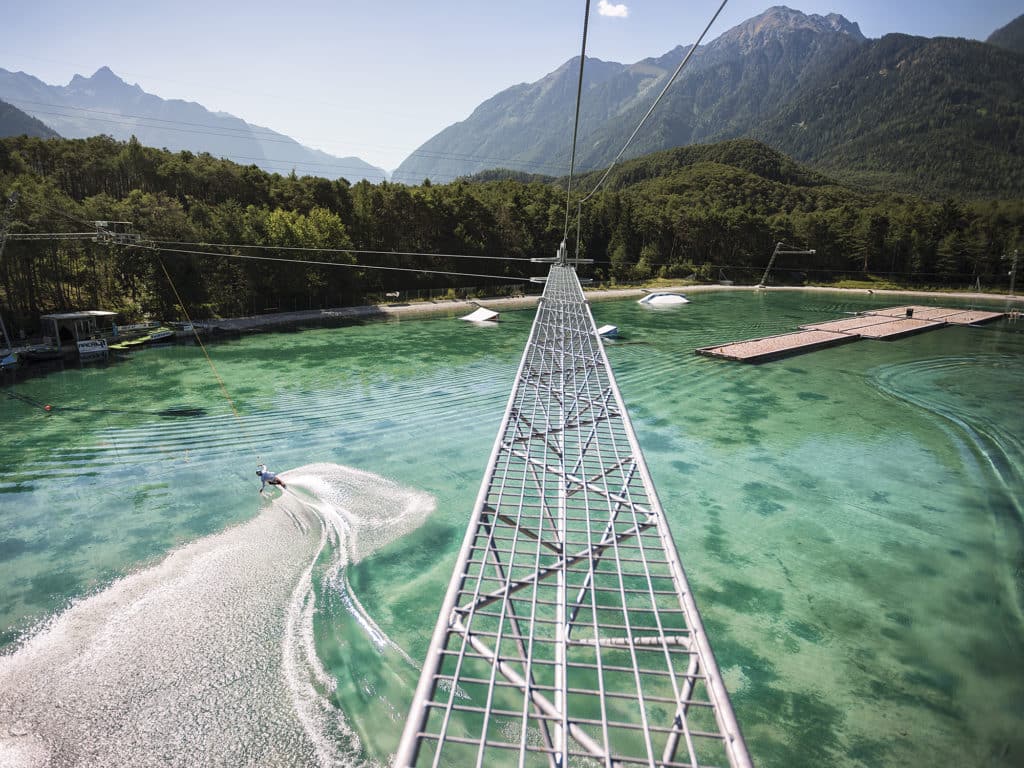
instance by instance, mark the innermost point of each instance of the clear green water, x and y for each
(850, 520)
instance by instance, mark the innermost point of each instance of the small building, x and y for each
(84, 332)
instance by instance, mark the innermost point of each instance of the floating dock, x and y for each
(938, 314)
(877, 326)
(771, 347)
(885, 324)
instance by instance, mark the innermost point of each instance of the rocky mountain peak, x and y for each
(105, 74)
(779, 22)
(103, 80)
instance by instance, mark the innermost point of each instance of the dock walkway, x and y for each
(884, 324)
(569, 634)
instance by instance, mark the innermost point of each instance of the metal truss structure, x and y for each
(569, 634)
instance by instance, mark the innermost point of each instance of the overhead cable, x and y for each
(661, 95)
(338, 250)
(576, 120)
(263, 135)
(310, 262)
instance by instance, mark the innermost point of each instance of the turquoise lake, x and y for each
(850, 520)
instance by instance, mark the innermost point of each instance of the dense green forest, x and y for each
(697, 212)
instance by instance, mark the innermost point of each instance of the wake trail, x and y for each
(208, 657)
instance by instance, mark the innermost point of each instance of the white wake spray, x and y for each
(208, 657)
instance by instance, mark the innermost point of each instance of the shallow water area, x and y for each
(850, 521)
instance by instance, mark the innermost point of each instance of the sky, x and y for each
(378, 78)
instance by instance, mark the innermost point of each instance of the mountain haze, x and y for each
(14, 122)
(527, 122)
(106, 104)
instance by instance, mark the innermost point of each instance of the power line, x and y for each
(228, 132)
(241, 132)
(159, 245)
(661, 95)
(59, 212)
(576, 120)
(339, 250)
(268, 160)
(310, 262)
(596, 262)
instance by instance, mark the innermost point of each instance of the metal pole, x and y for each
(8, 215)
(1013, 271)
(778, 250)
(771, 261)
(7, 339)
(567, 490)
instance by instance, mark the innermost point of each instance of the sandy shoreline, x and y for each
(385, 311)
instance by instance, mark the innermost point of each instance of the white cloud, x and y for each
(619, 10)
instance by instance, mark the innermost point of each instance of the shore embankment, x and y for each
(414, 309)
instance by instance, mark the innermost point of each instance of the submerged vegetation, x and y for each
(704, 212)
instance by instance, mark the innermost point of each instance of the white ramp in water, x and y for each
(664, 299)
(481, 315)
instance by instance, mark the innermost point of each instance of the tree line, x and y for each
(696, 212)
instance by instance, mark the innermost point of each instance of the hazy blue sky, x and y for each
(376, 79)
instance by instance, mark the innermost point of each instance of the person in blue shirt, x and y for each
(268, 477)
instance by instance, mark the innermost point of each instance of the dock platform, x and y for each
(771, 347)
(944, 314)
(885, 324)
(897, 328)
(848, 324)
(876, 326)
(916, 311)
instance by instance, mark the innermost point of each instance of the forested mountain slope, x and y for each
(938, 116)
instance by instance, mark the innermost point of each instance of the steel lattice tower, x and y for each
(569, 634)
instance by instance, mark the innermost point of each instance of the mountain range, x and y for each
(104, 103)
(937, 116)
(941, 117)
